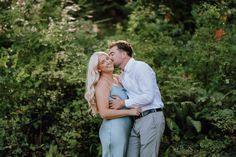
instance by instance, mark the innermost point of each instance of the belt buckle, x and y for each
(144, 113)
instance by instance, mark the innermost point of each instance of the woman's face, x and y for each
(105, 64)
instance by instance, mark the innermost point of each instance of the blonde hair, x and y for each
(92, 78)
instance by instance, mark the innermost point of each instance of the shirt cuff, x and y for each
(128, 103)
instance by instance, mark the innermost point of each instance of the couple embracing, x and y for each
(130, 103)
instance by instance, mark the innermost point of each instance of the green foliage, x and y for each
(196, 75)
(44, 54)
(42, 82)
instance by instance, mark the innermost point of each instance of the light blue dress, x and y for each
(114, 133)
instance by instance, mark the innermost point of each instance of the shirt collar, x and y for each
(129, 65)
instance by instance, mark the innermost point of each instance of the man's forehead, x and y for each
(113, 49)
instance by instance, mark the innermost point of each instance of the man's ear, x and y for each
(123, 54)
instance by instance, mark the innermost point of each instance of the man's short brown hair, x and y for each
(122, 45)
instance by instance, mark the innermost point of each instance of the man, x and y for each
(139, 80)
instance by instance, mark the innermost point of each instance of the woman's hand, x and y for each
(135, 111)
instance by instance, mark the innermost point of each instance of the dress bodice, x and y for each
(117, 91)
(114, 133)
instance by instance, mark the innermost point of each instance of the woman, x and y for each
(102, 86)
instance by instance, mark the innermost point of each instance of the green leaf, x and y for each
(196, 124)
(172, 125)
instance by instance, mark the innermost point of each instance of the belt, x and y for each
(144, 113)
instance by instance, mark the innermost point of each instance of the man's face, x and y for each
(116, 56)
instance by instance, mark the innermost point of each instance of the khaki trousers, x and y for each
(146, 135)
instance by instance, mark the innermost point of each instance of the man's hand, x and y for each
(116, 104)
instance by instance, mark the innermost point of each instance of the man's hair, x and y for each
(122, 45)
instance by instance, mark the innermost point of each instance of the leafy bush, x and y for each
(42, 83)
(43, 59)
(196, 75)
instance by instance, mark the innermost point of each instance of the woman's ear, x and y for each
(97, 71)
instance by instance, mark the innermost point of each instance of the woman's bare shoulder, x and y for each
(101, 90)
(101, 85)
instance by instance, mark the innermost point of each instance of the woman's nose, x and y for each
(111, 59)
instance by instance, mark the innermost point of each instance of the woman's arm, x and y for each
(102, 100)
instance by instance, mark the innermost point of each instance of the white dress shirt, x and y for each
(139, 80)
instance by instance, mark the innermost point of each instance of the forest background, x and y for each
(44, 51)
